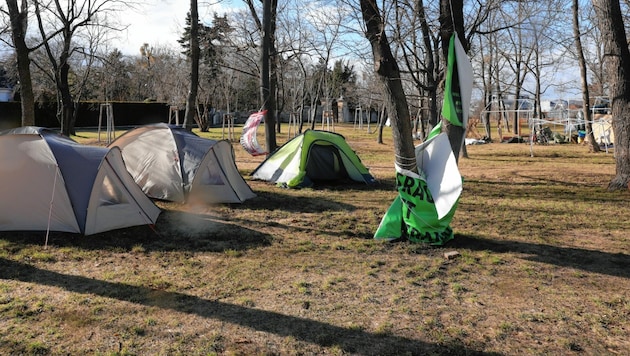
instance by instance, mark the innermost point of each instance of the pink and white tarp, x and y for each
(248, 138)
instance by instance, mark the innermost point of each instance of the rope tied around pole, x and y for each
(406, 163)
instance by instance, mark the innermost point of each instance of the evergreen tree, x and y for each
(211, 40)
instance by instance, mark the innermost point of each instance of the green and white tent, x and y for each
(313, 156)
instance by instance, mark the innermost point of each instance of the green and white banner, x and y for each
(426, 202)
(458, 84)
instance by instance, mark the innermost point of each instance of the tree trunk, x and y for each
(388, 72)
(275, 83)
(617, 58)
(586, 106)
(431, 70)
(61, 69)
(67, 103)
(19, 24)
(486, 77)
(191, 100)
(382, 118)
(267, 87)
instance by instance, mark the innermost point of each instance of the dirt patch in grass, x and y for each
(543, 268)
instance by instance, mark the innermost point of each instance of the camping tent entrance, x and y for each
(324, 163)
(112, 204)
(217, 179)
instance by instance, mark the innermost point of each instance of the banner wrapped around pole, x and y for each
(248, 138)
(426, 202)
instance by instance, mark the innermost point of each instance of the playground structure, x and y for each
(510, 115)
(324, 112)
(562, 121)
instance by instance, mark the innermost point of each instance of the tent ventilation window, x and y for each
(111, 194)
(210, 174)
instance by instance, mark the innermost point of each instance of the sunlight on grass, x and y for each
(542, 257)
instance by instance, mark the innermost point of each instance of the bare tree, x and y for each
(521, 50)
(216, 80)
(158, 73)
(490, 67)
(420, 56)
(593, 53)
(586, 108)
(617, 56)
(19, 26)
(191, 100)
(59, 24)
(241, 59)
(268, 74)
(386, 66)
(113, 77)
(295, 52)
(326, 31)
(417, 34)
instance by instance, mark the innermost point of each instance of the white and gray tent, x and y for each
(174, 164)
(52, 183)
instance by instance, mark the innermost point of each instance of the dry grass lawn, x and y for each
(543, 268)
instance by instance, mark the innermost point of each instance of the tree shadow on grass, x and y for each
(293, 203)
(300, 201)
(174, 231)
(543, 189)
(326, 335)
(613, 264)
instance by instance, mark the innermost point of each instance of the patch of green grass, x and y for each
(42, 256)
(246, 302)
(233, 253)
(303, 287)
(332, 282)
(138, 249)
(37, 348)
(384, 329)
(458, 289)
(137, 330)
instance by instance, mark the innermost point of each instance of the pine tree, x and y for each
(211, 41)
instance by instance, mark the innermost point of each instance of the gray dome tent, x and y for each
(174, 164)
(52, 183)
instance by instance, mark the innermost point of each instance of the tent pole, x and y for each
(52, 198)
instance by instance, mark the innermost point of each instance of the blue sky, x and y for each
(160, 23)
